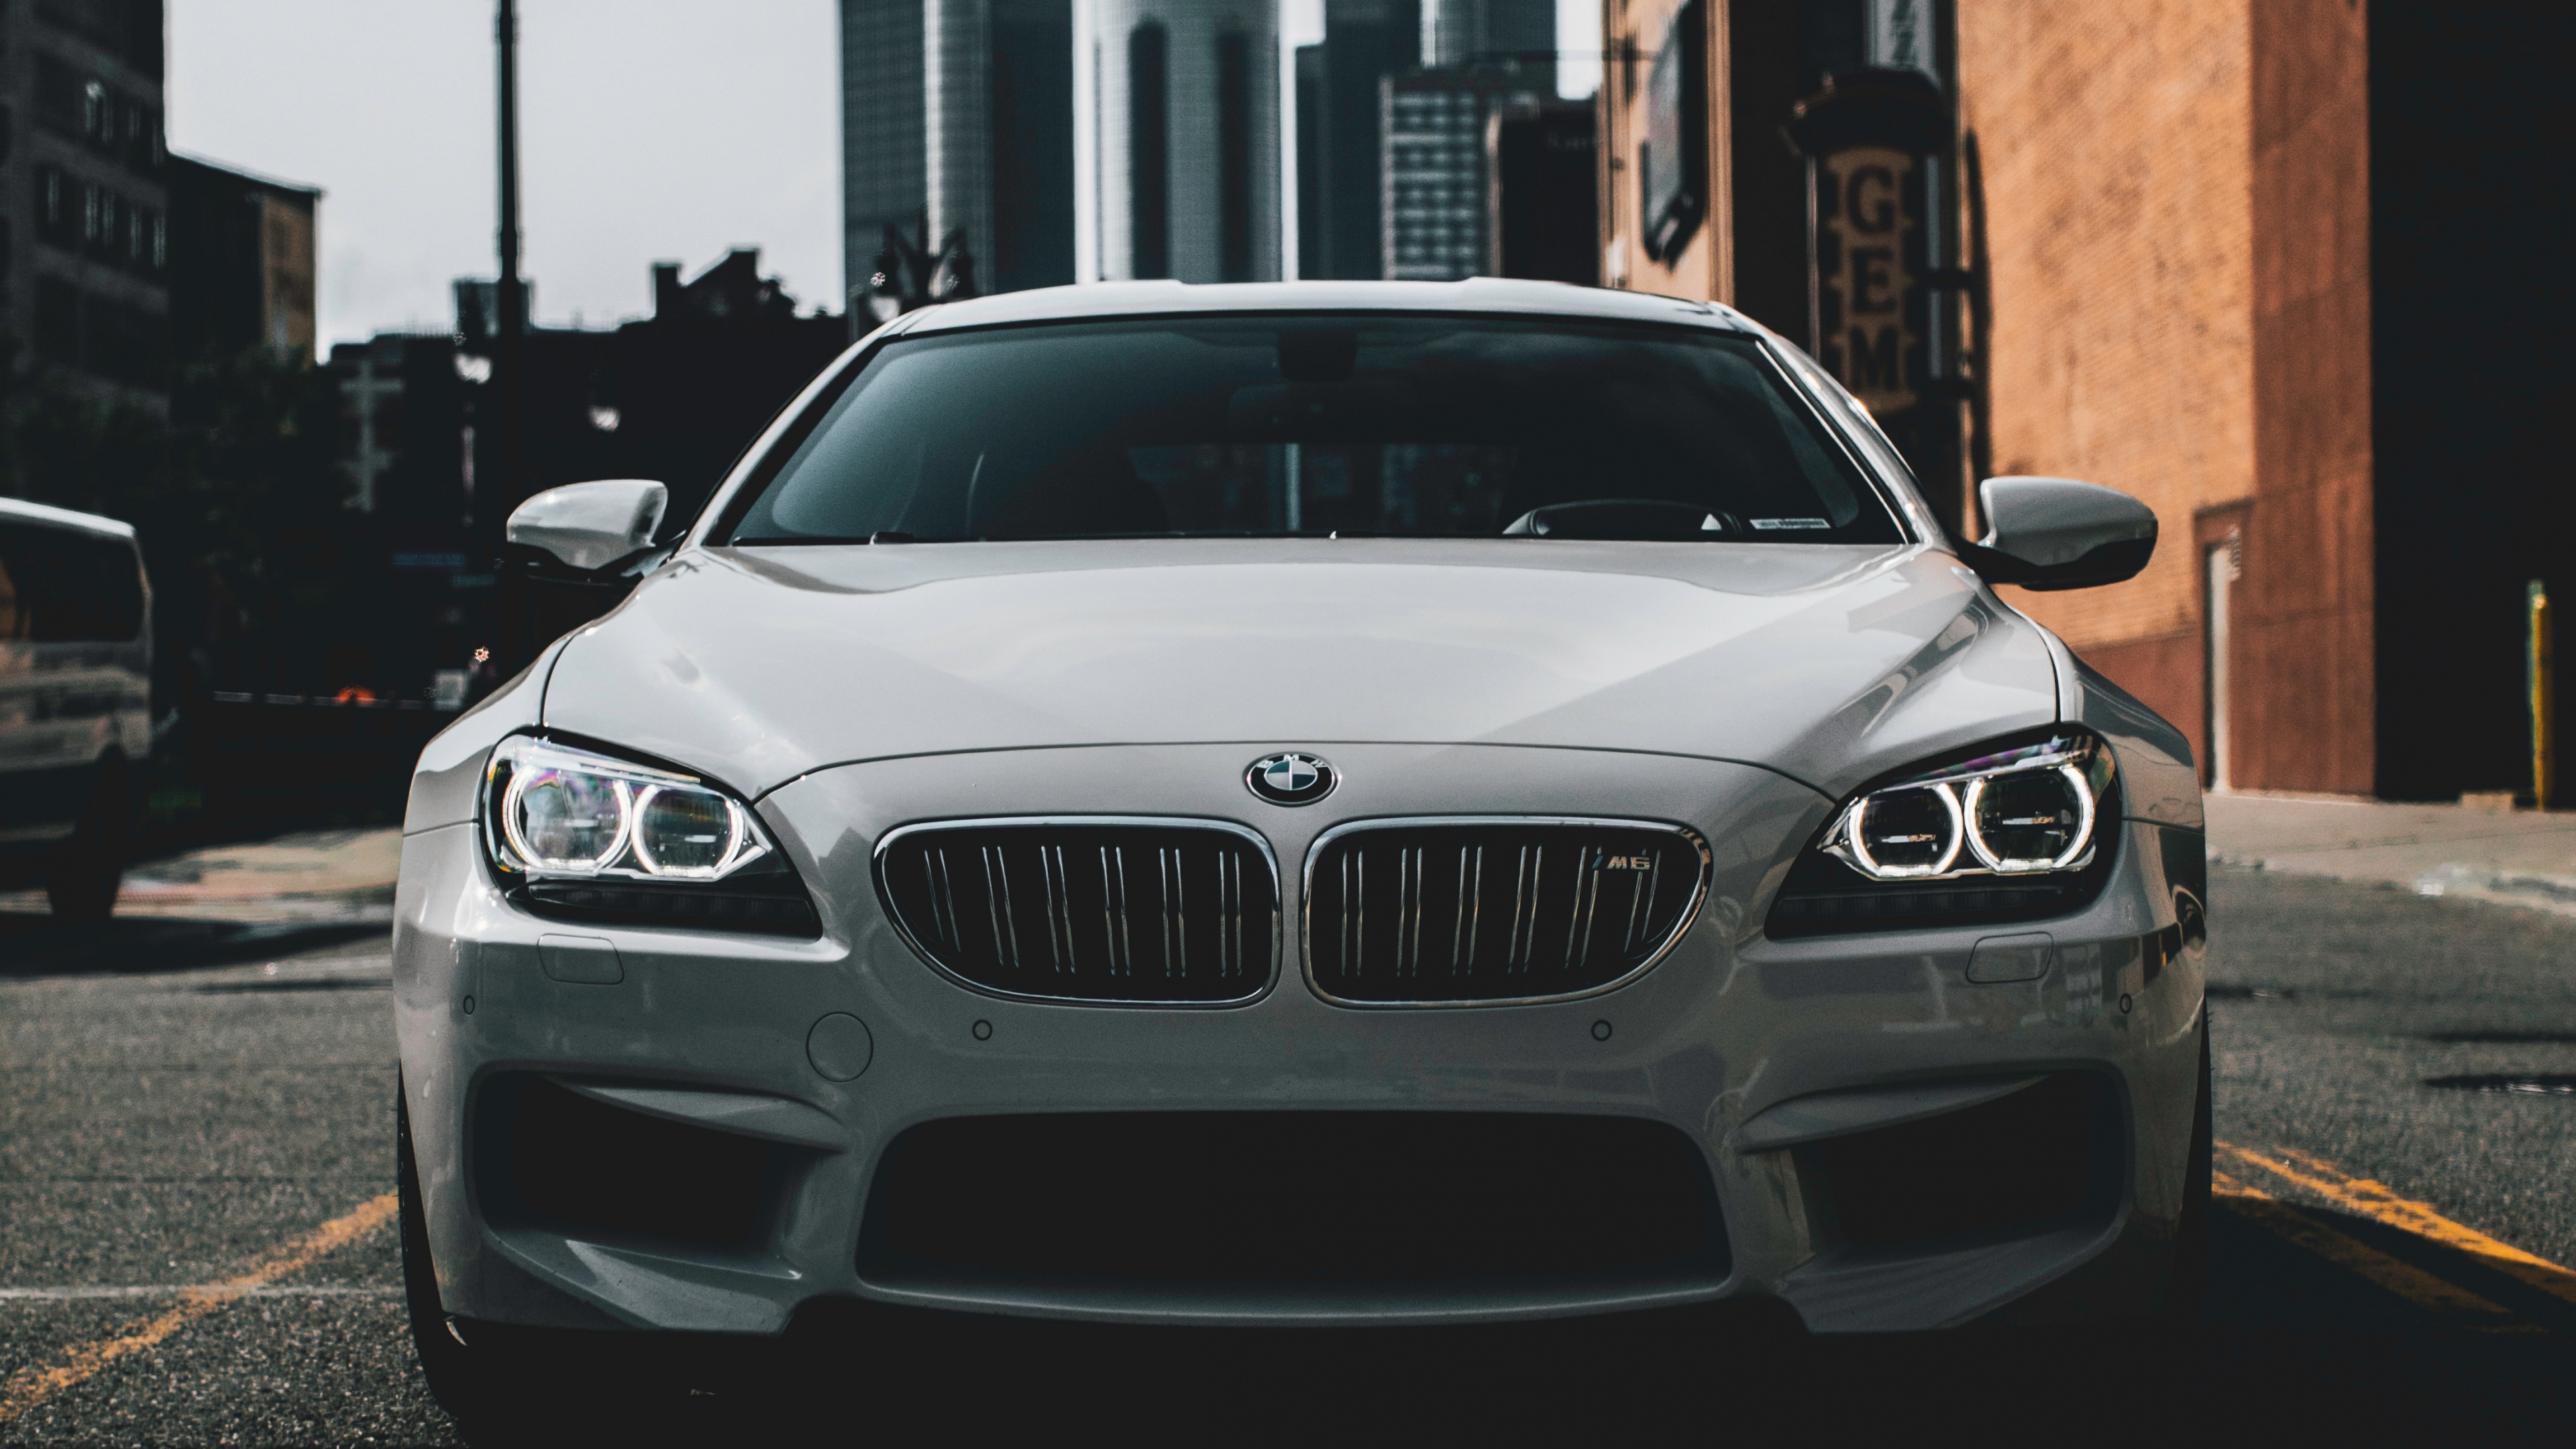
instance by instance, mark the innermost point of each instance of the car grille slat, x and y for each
(1576, 906)
(1083, 910)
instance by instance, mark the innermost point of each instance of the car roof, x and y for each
(1475, 295)
(19, 510)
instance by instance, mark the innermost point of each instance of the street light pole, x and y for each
(514, 638)
(513, 307)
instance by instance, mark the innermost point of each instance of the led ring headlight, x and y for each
(1856, 835)
(2025, 811)
(2078, 839)
(563, 790)
(557, 812)
(686, 839)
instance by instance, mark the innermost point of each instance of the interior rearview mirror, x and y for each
(2057, 533)
(591, 525)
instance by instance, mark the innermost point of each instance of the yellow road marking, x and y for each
(2376, 1200)
(31, 1386)
(2396, 1275)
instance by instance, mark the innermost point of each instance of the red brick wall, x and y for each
(2113, 152)
(2176, 220)
(2305, 719)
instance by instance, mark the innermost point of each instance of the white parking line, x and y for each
(77, 1292)
(36, 1383)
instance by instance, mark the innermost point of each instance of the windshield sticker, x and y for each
(1767, 524)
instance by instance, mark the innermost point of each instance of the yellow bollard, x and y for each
(2536, 668)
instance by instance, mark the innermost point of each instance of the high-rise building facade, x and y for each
(1519, 34)
(1340, 153)
(85, 259)
(1451, 204)
(884, 130)
(1433, 123)
(1409, 82)
(1187, 139)
(957, 116)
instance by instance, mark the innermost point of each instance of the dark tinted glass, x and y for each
(1424, 426)
(62, 587)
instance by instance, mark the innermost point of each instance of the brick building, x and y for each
(241, 263)
(2284, 269)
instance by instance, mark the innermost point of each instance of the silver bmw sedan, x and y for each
(1309, 804)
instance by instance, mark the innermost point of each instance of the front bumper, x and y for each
(1758, 1051)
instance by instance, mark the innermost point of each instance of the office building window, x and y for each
(57, 321)
(1149, 150)
(58, 95)
(1234, 156)
(52, 224)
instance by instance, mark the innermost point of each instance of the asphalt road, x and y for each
(191, 1105)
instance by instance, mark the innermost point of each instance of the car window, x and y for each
(1311, 424)
(59, 586)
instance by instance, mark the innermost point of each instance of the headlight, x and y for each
(2009, 834)
(574, 832)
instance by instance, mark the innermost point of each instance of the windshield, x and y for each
(1315, 424)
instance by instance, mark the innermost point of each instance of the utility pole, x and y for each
(513, 297)
(515, 639)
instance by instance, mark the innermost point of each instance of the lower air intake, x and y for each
(1103, 910)
(1240, 1197)
(553, 1158)
(1415, 912)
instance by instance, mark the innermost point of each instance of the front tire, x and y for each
(508, 1385)
(456, 1379)
(2190, 1286)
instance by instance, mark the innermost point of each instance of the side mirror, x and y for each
(2057, 533)
(589, 526)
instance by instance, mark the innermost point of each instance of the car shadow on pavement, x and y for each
(2292, 1347)
(34, 945)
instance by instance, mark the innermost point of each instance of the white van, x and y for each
(75, 701)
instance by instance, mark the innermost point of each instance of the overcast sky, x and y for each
(649, 130)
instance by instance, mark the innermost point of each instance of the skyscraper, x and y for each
(883, 129)
(1443, 189)
(1341, 229)
(957, 116)
(1310, 161)
(1187, 138)
(1497, 33)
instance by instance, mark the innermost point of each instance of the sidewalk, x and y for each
(339, 876)
(2524, 858)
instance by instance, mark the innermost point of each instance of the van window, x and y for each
(58, 586)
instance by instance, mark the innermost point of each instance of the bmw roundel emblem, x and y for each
(1291, 778)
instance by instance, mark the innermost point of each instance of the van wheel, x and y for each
(86, 870)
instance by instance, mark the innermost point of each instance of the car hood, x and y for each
(1831, 664)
